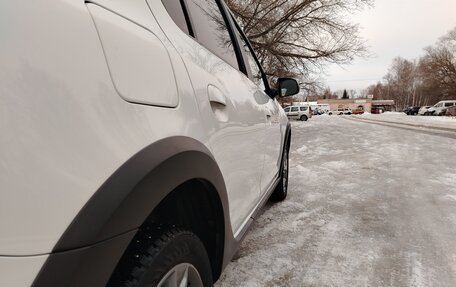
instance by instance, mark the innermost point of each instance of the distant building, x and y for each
(381, 106)
(364, 104)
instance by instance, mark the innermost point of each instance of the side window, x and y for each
(448, 104)
(176, 9)
(294, 109)
(211, 30)
(287, 109)
(251, 63)
(303, 109)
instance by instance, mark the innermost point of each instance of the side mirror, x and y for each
(287, 87)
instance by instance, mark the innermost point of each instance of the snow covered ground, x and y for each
(368, 205)
(425, 121)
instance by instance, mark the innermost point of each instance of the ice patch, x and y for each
(348, 185)
(337, 164)
(451, 197)
(302, 150)
(304, 174)
(301, 169)
(418, 275)
(447, 179)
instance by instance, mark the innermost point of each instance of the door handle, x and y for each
(215, 95)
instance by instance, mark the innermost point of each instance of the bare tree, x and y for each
(401, 80)
(299, 37)
(424, 82)
(438, 68)
(380, 91)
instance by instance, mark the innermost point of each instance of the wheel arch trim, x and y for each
(161, 166)
(94, 242)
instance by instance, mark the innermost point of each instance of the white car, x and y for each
(341, 111)
(302, 113)
(439, 108)
(423, 110)
(138, 141)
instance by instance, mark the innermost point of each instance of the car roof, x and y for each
(447, 101)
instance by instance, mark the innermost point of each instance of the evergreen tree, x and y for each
(345, 95)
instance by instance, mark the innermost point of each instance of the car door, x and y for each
(274, 139)
(274, 130)
(233, 111)
(294, 112)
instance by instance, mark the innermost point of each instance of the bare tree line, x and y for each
(423, 81)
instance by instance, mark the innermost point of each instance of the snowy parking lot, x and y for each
(370, 204)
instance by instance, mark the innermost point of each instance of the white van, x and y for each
(302, 113)
(439, 108)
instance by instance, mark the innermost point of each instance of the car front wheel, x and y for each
(163, 258)
(303, 118)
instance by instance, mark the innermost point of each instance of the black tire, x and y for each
(303, 118)
(330, 114)
(281, 190)
(156, 252)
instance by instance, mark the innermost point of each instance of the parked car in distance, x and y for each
(302, 113)
(411, 111)
(341, 111)
(377, 110)
(317, 111)
(358, 112)
(423, 110)
(136, 147)
(438, 109)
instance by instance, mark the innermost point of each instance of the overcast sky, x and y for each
(393, 28)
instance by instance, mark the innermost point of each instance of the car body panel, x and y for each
(276, 123)
(92, 132)
(20, 271)
(133, 54)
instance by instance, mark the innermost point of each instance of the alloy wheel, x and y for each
(182, 275)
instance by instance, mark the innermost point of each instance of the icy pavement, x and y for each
(368, 205)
